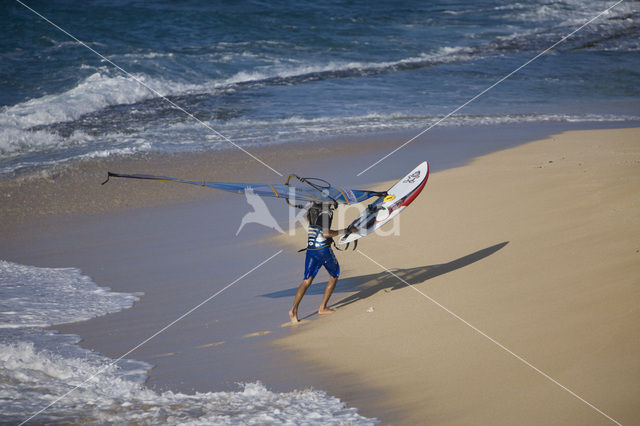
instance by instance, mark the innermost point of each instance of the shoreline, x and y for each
(74, 188)
(123, 248)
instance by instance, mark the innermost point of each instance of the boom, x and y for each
(316, 190)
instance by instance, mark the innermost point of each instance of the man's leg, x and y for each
(333, 268)
(331, 284)
(293, 313)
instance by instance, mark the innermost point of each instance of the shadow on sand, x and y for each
(366, 285)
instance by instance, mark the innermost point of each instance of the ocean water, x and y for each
(272, 72)
(39, 366)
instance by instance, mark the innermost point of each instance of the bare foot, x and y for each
(293, 317)
(325, 311)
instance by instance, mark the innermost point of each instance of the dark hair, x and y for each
(320, 215)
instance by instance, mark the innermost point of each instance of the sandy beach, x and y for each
(524, 263)
(536, 246)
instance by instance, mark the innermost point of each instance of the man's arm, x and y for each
(328, 233)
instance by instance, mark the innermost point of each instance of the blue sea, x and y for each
(271, 72)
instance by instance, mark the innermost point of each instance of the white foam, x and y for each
(59, 44)
(288, 70)
(32, 378)
(22, 148)
(38, 297)
(99, 90)
(566, 12)
(299, 128)
(15, 140)
(104, 88)
(95, 92)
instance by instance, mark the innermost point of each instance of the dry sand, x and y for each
(537, 246)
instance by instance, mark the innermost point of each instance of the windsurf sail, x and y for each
(315, 190)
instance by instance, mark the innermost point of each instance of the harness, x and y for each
(316, 214)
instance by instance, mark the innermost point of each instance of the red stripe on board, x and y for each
(417, 191)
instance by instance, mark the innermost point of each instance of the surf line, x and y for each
(500, 345)
(152, 90)
(151, 337)
(604, 12)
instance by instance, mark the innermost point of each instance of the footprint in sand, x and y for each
(290, 324)
(165, 355)
(211, 345)
(256, 334)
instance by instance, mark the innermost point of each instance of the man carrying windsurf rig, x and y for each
(319, 253)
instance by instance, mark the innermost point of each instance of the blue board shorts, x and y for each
(318, 258)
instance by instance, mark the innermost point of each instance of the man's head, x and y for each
(320, 215)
